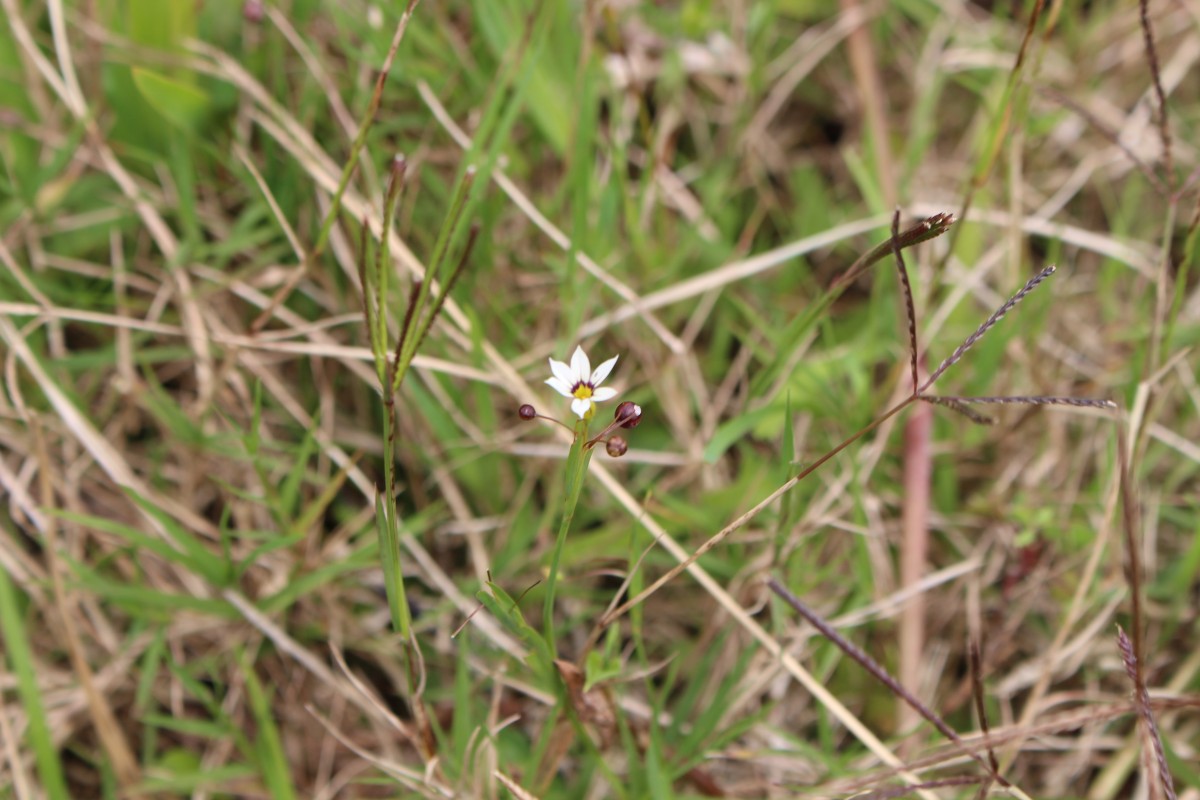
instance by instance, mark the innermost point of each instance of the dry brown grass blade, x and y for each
(305, 658)
(1138, 256)
(553, 232)
(107, 457)
(433, 571)
(561, 739)
(1101, 243)
(593, 707)
(1003, 121)
(322, 348)
(415, 780)
(385, 713)
(769, 643)
(94, 317)
(803, 55)
(68, 91)
(1113, 137)
(880, 674)
(280, 218)
(722, 534)
(873, 98)
(348, 169)
(514, 787)
(108, 731)
(1076, 610)
(316, 68)
(1072, 720)
(902, 791)
(17, 773)
(297, 140)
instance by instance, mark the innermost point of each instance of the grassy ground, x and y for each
(218, 582)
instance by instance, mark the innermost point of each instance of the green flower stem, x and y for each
(577, 466)
(387, 522)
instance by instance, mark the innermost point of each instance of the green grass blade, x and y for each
(200, 559)
(272, 762)
(388, 529)
(21, 662)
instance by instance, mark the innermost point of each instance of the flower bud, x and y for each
(628, 415)
(526, 412)
(616, 446)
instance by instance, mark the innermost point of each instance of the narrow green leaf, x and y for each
(183, 105)
(272, 762)
(21, 662)
(203, 561)
(161, 24)
(734, 430)
(306, 584)
(505, 609)
(149, 603)
(393, 573)
(183, 780)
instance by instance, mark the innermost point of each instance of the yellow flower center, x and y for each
(582, 391)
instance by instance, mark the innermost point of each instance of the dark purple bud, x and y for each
(616, 446)
(628, 415)
(527, 412)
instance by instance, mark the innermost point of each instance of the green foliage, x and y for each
(272, 761)
(20, 659)
(180, 103)
(409, 520)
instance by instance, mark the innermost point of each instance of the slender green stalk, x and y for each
(272, 760)
(387, 521)
(577, 465)
(418, 321)
(388, 527)
(21, 662)
(360, 140)
(383, 255)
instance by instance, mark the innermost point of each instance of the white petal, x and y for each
(580, 406)
(562, 388)
(603, 393)
(602, 371)
(580, 365)
(561, 371)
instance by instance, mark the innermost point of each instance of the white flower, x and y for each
(579, 382)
